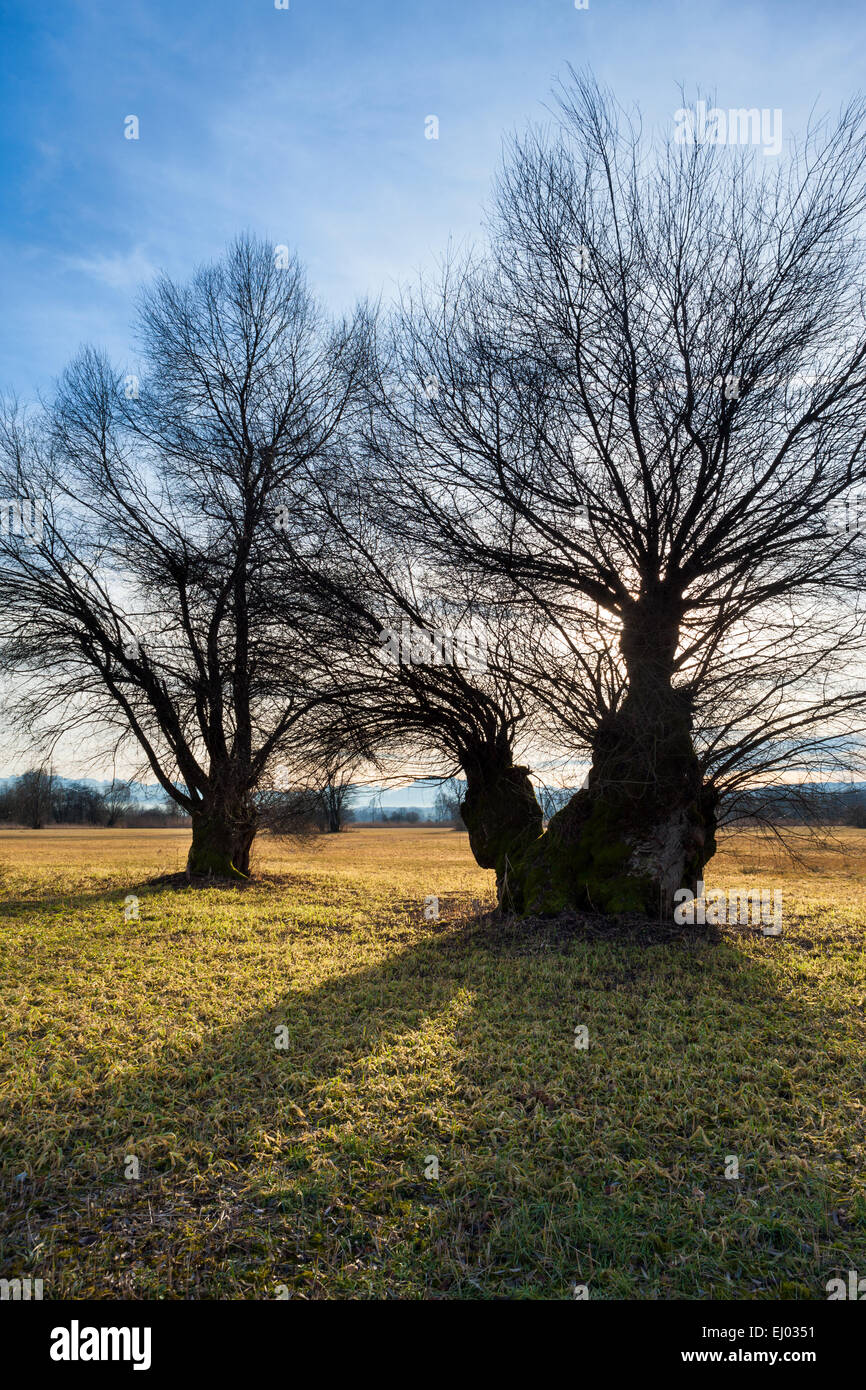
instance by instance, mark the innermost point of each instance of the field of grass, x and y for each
(310, 1168)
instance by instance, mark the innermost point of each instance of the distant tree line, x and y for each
(799, 805)
(397, 815)
(39, 798)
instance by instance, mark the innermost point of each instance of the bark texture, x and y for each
(643, 826)
(500, 810)
(221, 841)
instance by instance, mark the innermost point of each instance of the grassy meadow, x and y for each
(309, 1169)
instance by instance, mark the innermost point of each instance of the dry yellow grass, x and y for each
(408, 859)
(307, 1167)
(394, 855)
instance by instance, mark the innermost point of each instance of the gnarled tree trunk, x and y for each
(499, 810)
(643, 826)
(222, 836)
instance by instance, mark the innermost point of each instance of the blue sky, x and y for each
(307, 126)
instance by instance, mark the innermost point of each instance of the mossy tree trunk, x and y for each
(222, 837)
(643, 826)
(500, 809)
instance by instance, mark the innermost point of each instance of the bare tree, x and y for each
(148, 605)
(646, 401)
(29, 798)
(116, 799)
(449, 799)
(338, 788)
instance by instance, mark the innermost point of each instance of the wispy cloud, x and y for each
(124, 270)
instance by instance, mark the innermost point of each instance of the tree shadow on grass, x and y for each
(18, 905)
(434, 1126)
(177, 883)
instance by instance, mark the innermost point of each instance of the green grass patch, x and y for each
(310, 1165)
